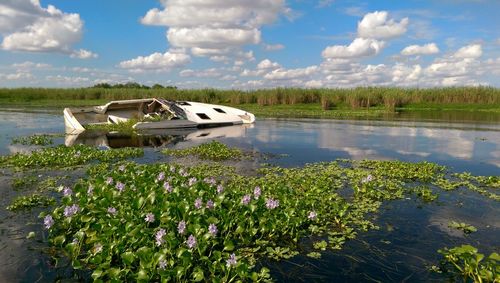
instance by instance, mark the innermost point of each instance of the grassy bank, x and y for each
(355, 98)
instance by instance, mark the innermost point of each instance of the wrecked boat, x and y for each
(155, 113)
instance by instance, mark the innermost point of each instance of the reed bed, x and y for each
(354, 98)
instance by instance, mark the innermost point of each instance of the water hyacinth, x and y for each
(150, 217)
(48, 221)
(191, 241)
(257, 192)
(272, 203)
(312, 215)
(181, 227)
(121, 168)
(210, 204)
(198, 203)
(159, 237)
(161, 176)
(90, 190)
(367, 179)
(97, 248)
(120, 186)
(71, 210)
(220, 189)
(112, 210)
(231, 261)
(212, 229)
(167, 187)
(67, 191)
(210, 181)
(192, 181)
(109, 181)
(75, 241)
(172, 169)
(246, 199)
(162, 264)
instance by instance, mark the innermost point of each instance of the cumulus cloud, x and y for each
(427, 49)
(287, 74)
(26, 26)
(377, 25)
(83, 54)
(267, 64)
(207, 73)
(157, 62)
(17, 76)
(360, 47)
(30, 65)
(214, 27)
(469, 51)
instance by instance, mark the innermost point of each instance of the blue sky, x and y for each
(249, 44)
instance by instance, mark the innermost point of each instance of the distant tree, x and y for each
(157, 86)
(102, 85)
(171, 87)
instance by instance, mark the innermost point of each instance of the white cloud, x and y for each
(26, 26)
(207, 73)
(212, 38)
(157, 61)
(325, 3)
(377, 25)
(406, 75)
(427, 49)
(469, 51)
(358, 48)
(71, 81)
(17, 76)
(287, 74)
(273, 47)
(30, 65)
(83, 54)
(267, 64)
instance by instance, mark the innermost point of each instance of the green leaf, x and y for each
(128, 258)
(31, 235)
(198, 275)
(228, 245)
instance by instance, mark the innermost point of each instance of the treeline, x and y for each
(360, 97)
(132, 85)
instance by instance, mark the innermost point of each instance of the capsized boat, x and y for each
(155, 113)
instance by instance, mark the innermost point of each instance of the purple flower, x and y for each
(121, 168)
(368, 178)
(198, 203)
(192, 181)
(109, 181)
(90, 190)
(210, 204)
(210, 181)
(150, 217)
(256, 192)
(120, 186)
(67, 192)
(246, 199)
(167, 187)
(172, 169)
(159, 237)
(48, 221)
(272, 203)
(112, 210)
(181, 227)
(71, 210)
(97, 248)
(191, 242)
(212, 229)
(220, 189)
(231, 261)
(312, 215)
(162, 264)
(183, 173)
(161, 176)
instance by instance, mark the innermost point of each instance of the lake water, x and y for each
(401, 253)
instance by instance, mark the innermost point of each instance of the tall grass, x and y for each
(355, 98)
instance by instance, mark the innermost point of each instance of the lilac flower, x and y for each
(212, 229)
(192, 181)
(120, 186)
(150, 217)
(220, 189)
(191, 241)
(121, 168)
(161, 176)
(231, 261)
(272, 203)
(210, 181)
(112, 210)
(90, 190)
(162, 264)
(159, 237)
(368, 178)
(109, 181)
(67, 192)
(167, 187)
(312, 215)
(256, 192)
(198, 203)
(181, 227)
(246, 199)
(97, 248)
(48, 221)
(71, 210)
(210, 204)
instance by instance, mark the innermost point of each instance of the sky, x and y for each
(250, 44)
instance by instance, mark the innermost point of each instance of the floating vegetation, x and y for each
(34, 140)
(23, 182)
(426, 194)
(213, 150)
(28, 202)
(122, 127)
(62, 156)
(465, 264)
(466, 228)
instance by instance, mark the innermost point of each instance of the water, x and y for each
(411, 231)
